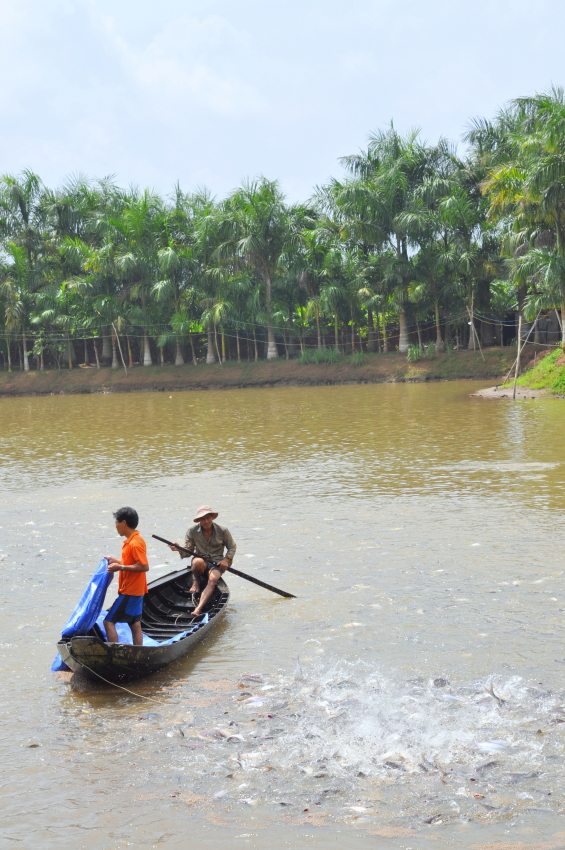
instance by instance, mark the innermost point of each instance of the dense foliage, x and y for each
(416, 246)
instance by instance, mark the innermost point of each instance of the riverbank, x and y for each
(376, 368)
(544, 375)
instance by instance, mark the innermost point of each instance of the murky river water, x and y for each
(422, 531)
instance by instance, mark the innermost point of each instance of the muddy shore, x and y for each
(377, 368)
(508, 392)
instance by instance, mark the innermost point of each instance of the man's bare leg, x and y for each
(111, 633)
(213, 579)
(198, 569)
(137, 634)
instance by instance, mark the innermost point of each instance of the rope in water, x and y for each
(114, 685)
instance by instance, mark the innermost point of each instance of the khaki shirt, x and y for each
(213, 547)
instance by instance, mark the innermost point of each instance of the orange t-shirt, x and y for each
(134, 551)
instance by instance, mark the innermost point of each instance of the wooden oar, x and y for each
(229, 569)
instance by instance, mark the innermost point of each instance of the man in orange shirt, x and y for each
(133, 583)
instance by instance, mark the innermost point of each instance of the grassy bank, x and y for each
(375, 368)
(547, 373)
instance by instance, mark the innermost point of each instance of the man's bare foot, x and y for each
(194, 588)
(196, 613)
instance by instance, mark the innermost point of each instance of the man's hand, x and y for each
(114, 567)
(175, 548)
(224, 563)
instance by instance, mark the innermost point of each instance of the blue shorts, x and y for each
(126, 609)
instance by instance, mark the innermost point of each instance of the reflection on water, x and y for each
(421, 531)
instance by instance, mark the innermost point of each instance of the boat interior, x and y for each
(167, 608)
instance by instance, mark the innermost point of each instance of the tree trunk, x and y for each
(336, 332)
(147, 359)
(403, 335)
(385, 339)
(41, 361)
(563, 317)
(69, 352)
(115, 364)
(255, 344)
(353, 337)
(223, 338)
(317, 310)
(237, 345)
(371, 334)
(179, 359)
(419, 332)
(501, 340)
(161, 355)
(86, 360)
(272, 352)
(216, 341)
(26, 357)
(439, 342)
(106, 350)
(8, 344)
(210, 358)
(194, 360)
(130, 355)
(96, 354)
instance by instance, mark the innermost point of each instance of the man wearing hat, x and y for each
(208, 538)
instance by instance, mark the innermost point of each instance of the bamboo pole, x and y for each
(518, 355)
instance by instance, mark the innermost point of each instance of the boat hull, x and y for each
(167, 611)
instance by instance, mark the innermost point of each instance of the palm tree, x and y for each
(529, 186)
(136, 237)
(18, 280)
(259, 228)
(389, 172)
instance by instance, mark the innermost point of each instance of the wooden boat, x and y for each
(167, 611)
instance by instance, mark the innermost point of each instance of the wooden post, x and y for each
(518, 355)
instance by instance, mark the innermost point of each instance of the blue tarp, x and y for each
(124, 632)
(89, 611)
(88, 608)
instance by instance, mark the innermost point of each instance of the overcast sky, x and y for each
(208, 92)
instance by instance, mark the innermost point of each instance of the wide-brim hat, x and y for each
(204, 510)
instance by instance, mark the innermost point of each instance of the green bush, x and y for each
(358, 358)
(328, 355)
(413, 353)
(430, 349)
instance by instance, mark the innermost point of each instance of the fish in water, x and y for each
(513, 778)
(487, 766)
(253, 701)
(490, 691)
(394, 765)
(492, 747)
(298, 674)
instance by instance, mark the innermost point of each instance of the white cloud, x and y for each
(217, 90)
(179, 66)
